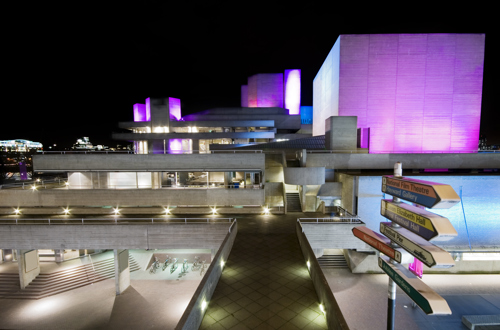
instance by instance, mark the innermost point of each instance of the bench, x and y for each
(471, 321)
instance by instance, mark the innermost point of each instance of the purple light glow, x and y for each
(416, 92)
(174, 108)
(292, 91)
(265, 90)
(416, 267)
(139, 112)
(175, 146)
(148, 109)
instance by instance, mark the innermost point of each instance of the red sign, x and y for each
(377, 241)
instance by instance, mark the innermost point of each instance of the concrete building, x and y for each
(178, 170)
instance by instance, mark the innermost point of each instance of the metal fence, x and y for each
(107, 221)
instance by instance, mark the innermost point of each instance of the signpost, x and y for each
(428, 253)
(429, 194)
(428, 300)
(377, 241)
(419, 221)
(411, 229)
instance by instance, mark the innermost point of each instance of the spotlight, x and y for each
(66, 211)
(214, 211)
(116, 211)
(17, 211)
(33, 187)
(167, 210)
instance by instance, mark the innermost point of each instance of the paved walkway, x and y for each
(265, 283)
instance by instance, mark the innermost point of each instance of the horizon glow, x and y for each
(292, 91)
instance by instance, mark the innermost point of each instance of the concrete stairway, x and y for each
(293, 202)
(332, 261)
(9, 283)
(48, 284)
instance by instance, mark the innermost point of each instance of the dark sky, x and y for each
(76, 71)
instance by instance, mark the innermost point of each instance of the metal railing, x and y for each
(330, 220)
(365, 151)
(68, 152)
(107, 221)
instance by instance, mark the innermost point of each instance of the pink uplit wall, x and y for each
(148, 109)
(292, 91)
(416, 92)
(244, 96)
(265, 90)
(140, 112)
(174, 108)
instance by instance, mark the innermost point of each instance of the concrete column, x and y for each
(28, 265)
(318, 253)
(122, 271)
(59, 255)
(195, 146)
(1, 255)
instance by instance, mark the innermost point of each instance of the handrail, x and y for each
(357, 151)
(107, 221)
(330, 220)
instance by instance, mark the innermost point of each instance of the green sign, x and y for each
(428, 300)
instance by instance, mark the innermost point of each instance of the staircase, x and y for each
(332, 261)
(48, 284)
(293, 202)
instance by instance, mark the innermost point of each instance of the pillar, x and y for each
(28, 265)
(122, 271)
(59, 255)
(1, 255)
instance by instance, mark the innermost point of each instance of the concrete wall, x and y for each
(326, 90)
(130, 197)
(334, 317)
(137, 236)
(193, 315)
(274, 193)
(26, 276)
(304, 175)
(326, 235)
(125, 162)
(333, 189)
(349, 192)
(409, 161)
(341, 133)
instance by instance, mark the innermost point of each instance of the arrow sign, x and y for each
(426, 298)
(419, 221)
(428, 253)
(377, 241)
(426, 193)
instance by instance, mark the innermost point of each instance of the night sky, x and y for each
(76, 71)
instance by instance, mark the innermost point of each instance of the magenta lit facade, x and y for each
(174, 108)
(265, 90)
(292, 91)
(416, 92)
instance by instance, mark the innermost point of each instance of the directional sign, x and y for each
(428, 253)
(419, 221)
(377, 241)
(429, 194)
(427, 299)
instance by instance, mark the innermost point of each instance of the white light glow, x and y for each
(66, 211)
(481, 256)
(203, 305)
(222, 264)
(214, 210)
(33, 187)
(308, 264)
(116, 210)
(17, 211)
(322, 308)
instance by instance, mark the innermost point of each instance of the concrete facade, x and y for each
(136, 236)
(341, 133)
(304, 175)
(122, 271)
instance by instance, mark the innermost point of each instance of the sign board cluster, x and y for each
(411, 228)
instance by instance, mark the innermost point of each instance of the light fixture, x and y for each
(308, 264)
(214, 210)
(66, 183)
(116, 211)
(266, 210)
(167, 210)
(203, 305)
(221, 264)
(322, 308)
(33, 187)
(17, 211)
(66, 211)
(37, 180)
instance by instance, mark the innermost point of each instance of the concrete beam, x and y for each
(126, 162)
(130, 197)
(304, 175)
(126, 236)
(410, 161)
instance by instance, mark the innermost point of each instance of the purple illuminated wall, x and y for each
(140, 112)
(175, 146)
(174, 108)
(416, 92)
(244, 96)
(292, 91)
(265, 90)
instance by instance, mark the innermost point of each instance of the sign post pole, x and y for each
(391, 302)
